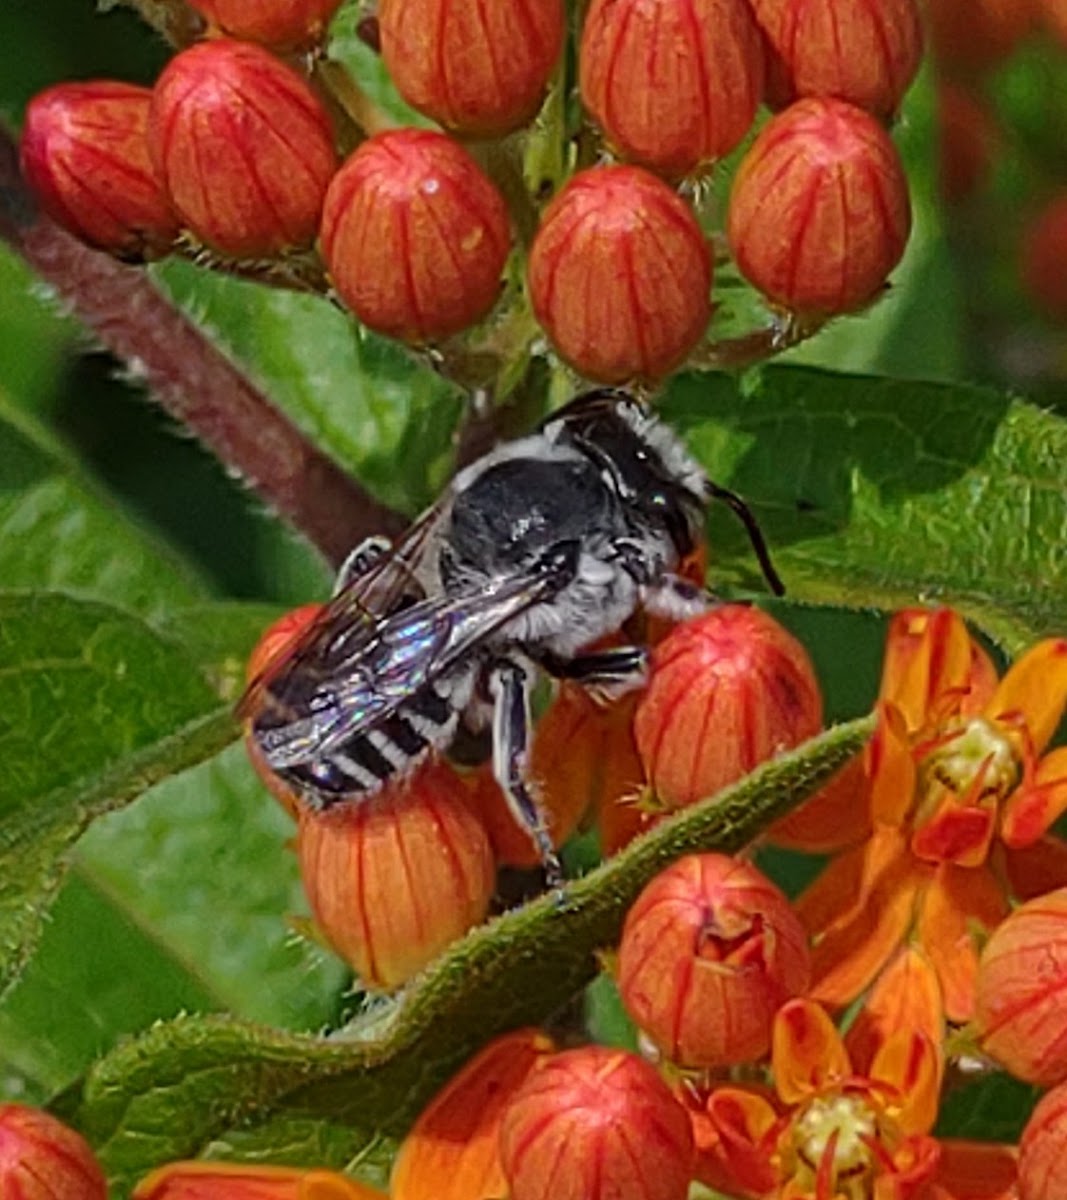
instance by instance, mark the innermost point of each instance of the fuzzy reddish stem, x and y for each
(193, 381)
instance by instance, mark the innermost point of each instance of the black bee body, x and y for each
(536, 551)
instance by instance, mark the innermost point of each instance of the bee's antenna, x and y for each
(755, 536)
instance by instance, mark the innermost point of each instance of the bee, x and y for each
(534, 552)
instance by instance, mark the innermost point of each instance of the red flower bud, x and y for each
(478, 69)
(596, 1124)
(1019, 1013)
(415, 236)
(85, 154)
(673, 84)
(281, 23)
(727, 691)
(1044, 259)
(394, 879)
(619, 275)
(243, 147)
(1043, 1149)
(710, 951)
(819, 212)
(452, 1151)
(857, 51)
(41, 1159)
(245, 1181)
(970, 36)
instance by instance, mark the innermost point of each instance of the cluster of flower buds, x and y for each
(394, 879)
(233, 157)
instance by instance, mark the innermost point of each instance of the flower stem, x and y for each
(195, 383)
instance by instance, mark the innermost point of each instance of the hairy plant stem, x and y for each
(192, 380)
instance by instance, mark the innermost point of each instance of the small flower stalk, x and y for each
(415, 236)
(85, 153)
(819, 212)
(710, 950)
(674, 85)
(395, 879)
(478, 70)
(619, 275)
(243, 147)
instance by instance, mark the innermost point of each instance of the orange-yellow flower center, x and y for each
(976, 754)
(844, 1128)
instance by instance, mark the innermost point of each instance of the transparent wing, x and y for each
(406, 652)
(346, 623)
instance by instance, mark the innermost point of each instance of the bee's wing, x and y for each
(350, 618)
(406, 652)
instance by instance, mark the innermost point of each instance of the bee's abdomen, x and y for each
(366, 762)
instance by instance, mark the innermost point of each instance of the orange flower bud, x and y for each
(596, 1124)
(710, 950)
(819, 213)
(1019, 1013)
(478, 69)
(673, 84)
(244, 1181)
(864, 53)
(281, 23)
(243, 146)
(1044, 259)
(970, 36)
(41, 1159)
(726, 691)
(394, 879)
(278, 637)
(968, 142)
(619, 275)
(1043, 1149)
(452, 1151)
(415, 235)
(85, 154)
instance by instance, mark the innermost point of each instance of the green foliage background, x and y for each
(890, 462)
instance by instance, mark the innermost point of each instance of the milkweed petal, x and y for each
(959, 906)
(1035, 690)
(1037, 802)
(890, 768)
(1037, 869)
(807, 1052)
(906, 995)
(928, 656)
(910, 1063)
(977, 1170)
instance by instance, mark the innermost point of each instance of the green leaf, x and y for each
(185, 1085)
(881, 493)
(360, 398)
(219, 637)
(990, 1108)
(97, 708)
(183, 899)
(58, 529)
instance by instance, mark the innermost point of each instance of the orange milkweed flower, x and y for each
(200, 1180)
(841, 1124)
(955, 787)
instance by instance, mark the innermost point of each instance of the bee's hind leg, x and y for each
(509, 686)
